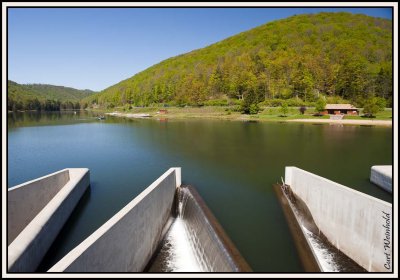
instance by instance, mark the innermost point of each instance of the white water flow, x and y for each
(325, 256)
(329, 256)
(191, 244)
(178, 250)
(181, 257)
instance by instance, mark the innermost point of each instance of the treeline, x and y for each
(299, 58)
(44, 91)
(42, 105)
(43, 97)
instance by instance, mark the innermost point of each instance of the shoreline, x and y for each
(354, 122)
(248, 118)
(130, 115)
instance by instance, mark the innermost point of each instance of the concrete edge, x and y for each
(178, 176)
(28, 235)
(38, 179)
(289, 180)
(379, 168)
(70, 257)
(382, 177)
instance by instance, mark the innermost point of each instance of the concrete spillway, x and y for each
(336, 229)
(165, 228)
(196, 241)
(317, 253)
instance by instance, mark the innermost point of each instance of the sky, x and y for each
(94, 48)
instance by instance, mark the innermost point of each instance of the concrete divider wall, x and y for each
(127, 241)
(381, 175)
(357, 224)
(26, 200)
(31, 244)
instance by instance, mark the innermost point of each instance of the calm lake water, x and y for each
(233, 165)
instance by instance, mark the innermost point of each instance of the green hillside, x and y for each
(298, 58)
(42, 96)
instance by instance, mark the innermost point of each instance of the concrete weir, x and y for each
(207, 249)
(381, 175)
(165, 228)
(335, 227)
(36, 212)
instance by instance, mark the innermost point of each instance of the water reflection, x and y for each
(21, 119)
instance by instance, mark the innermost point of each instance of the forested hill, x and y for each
(302, 57)
(35, 96)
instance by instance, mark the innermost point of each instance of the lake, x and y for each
(233, 165)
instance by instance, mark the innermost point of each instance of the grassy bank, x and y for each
(229, 113)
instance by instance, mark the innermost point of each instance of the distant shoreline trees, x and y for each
(43, 97)
(43, 105)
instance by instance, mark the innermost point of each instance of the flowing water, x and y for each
(232, 164)
(330, 258)
(176, 253)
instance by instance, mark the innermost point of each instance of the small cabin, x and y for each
(339, 109)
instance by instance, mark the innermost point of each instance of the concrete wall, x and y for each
(356, 223)
(37, 210)
(381, 175)
(25, 201)
(127, 241)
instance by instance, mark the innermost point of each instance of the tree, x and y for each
(215, 82)
(250, 103)
(284, 108)
(373, 105)
(383, 82)
(320, 105)
(302, 82)
(254, 109)
(353, 81)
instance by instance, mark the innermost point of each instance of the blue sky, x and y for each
(96, 48)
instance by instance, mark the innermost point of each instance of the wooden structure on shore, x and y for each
(337, 109)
